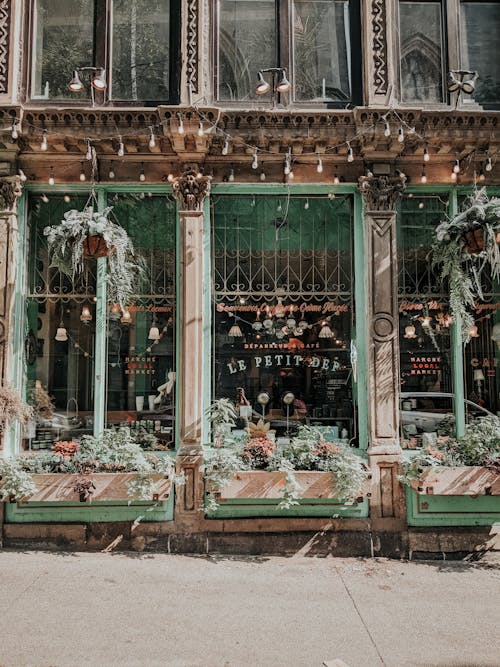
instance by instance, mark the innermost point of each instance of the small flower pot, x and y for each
(95, 247)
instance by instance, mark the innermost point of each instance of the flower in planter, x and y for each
(68, 243)
(258, 452)
(65, 448)
(465, 247)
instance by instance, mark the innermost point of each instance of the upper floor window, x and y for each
(426, 54)
(136, 41)
(317, 41)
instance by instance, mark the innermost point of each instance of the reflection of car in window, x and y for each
(422, 412)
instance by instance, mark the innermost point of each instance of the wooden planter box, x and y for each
(260, 484)
(59, 487)
(458, 481)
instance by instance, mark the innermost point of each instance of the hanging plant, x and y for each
(89, 235)
(12, 407)
(466, 250)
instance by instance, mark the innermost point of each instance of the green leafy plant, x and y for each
(15, 482)
(464, 264)
(66, 246)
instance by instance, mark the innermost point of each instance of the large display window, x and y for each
(284, 310)
(62, 336)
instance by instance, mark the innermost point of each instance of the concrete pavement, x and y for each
(93, 609)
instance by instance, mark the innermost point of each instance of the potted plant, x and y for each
(110, 466)
(465, 249)
(254, 466)
(12, 407)
(87, 234)
(469, 465)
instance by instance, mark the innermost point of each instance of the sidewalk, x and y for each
(93, 609)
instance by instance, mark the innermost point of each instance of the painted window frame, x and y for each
(103, 57)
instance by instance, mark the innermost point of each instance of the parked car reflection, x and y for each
(423, 412)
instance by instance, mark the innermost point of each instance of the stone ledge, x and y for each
(457, 540)
(51, 536)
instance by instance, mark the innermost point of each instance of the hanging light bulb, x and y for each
(67, 199)
(325, 331)
(288, 167)
(121, 148)
(473, 332)
(88, 154)
(82, 173)
(257, 325)
(235, 331)
(126, 317)
(86, 315)
(453, 175)
(255, 159)
(387, 128)
(306, 205)
(142, 175)
(426, 154)
(75, 85)
(201, 131)
(262, 174)
(319, 166)
(52, 179)
(401, 134)
(22, 176)
(61, 333)
(252, 204)
(44, 198)
(170, 175)
(423, 178)
(456, 166)
(43, 145)
(336, 179)
(426, 321)
(291, 175)
(111, 174)
(231, 175)
(154, 332)
(279, 208)
(303, 325)
(350, 154)
(420, 204)
(482, 177)
(15, 133)
(291, 322)
(489, 165)
(279, 310)
(99, 79)
(115, 311)
(180, 127)
(152, 141)
(410, 332)
(225, 147)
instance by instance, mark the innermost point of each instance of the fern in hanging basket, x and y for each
(466, 250)
(89, 235)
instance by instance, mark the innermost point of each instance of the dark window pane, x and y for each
(63, 40)
(247, 44)
(480, 30)
(140, 64)
(421, 43)
(321, 50)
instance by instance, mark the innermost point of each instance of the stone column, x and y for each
(190, 190)
(10, 190)
(380, 195)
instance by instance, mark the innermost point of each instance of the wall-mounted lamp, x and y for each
(462, 80)
(97, 79)
(280, 82)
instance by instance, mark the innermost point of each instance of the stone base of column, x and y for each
(189, 497)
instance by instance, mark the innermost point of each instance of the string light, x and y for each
(111, 174)
(350, 154)
(481, 175)
(426, 154)
(43, 145)
(88, 154)
(319, 167)
(142, 175)
(231, 175)
(336, 179)
(22, 176)
(453, 176)
(387, 128)
(423, 178)
(152, 141)
(489, 164)
(82, 173)
(201, 131)
(255, 159)
(456, 166)
(15, 133)
(262, 174)
(121, 148)
(288, 166)
(67, 199)
(421, 205)
(52, 179)
(306, 205)
(180, 128)
(170, 175)
(225, 146)
(401, 134)
(44, 198)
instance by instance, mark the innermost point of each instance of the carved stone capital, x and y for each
(10, 190)
(381, 193)
(190, 189)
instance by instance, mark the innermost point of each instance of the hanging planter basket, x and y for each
(474, 240)
(95, 247)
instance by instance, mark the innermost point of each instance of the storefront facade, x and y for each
(287, 246)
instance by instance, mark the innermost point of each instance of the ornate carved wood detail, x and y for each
(379, 46)
(10, 190)
(381, 193)
(192, 45)
(4, 45)
(190, 189)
